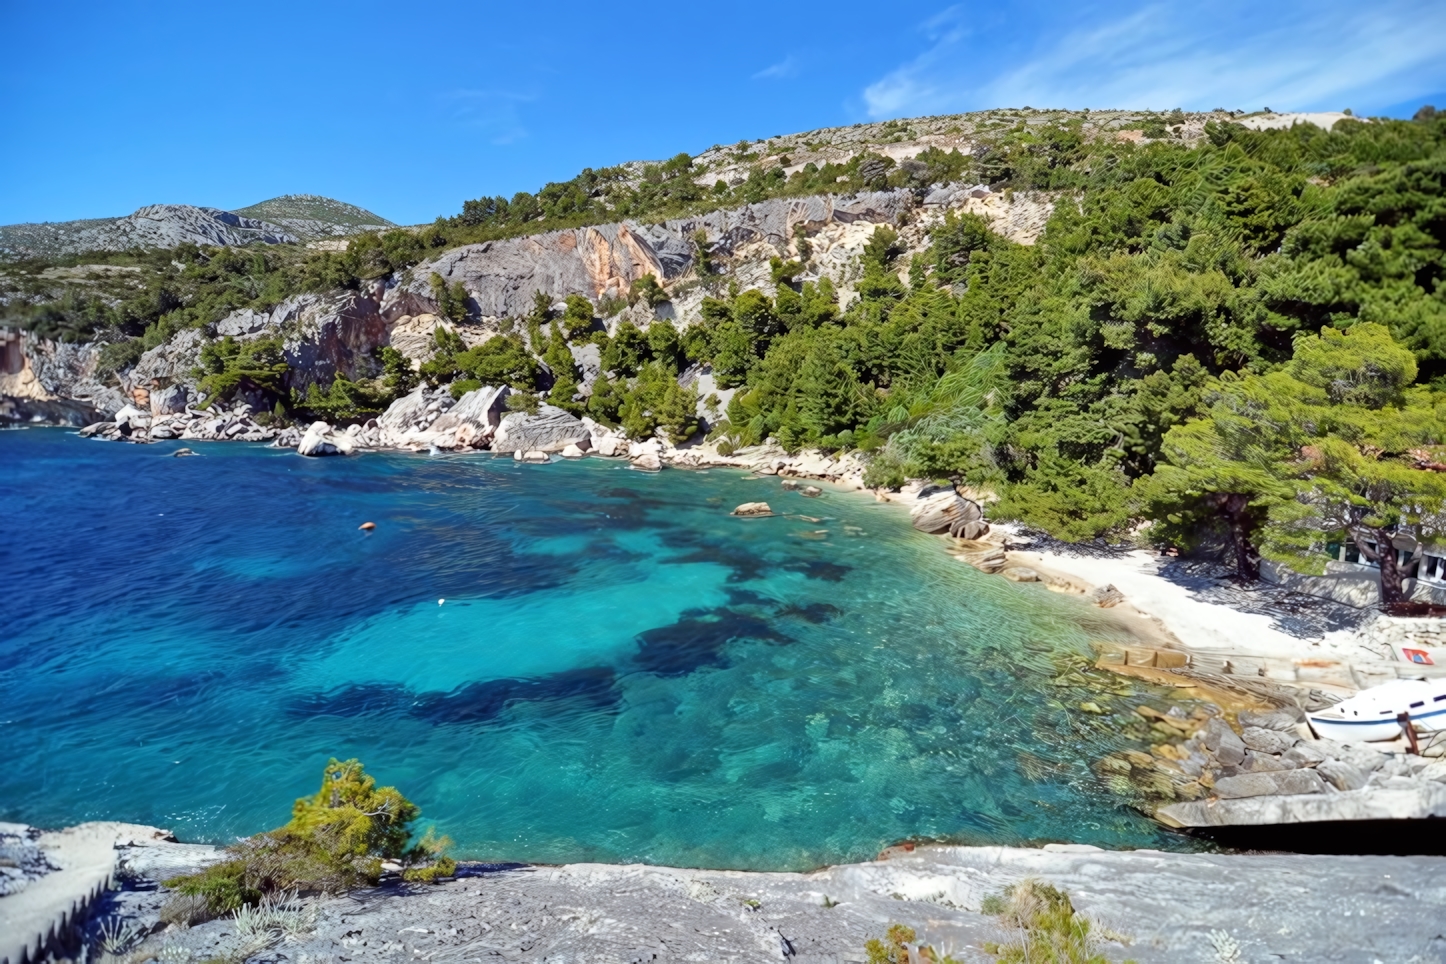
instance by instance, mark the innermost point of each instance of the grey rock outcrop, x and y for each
(501, 276)
(327, 337)
(550, 430)
(141, 425)
(407, 413)
(1418, 802)
(1224, 742)
(1282, 720)
(1268, 774)
(1267, 741)
(168, 401)
(171, 362)
(428, 417)
(943, 512)
(322, 337)
(588, 359)
(1281, 782)
(1341, 775)
(482, 409)
(153, 226)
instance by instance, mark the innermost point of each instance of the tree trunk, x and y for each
(1241, 522)
(1392, 588)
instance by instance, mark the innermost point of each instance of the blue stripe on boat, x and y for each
(1331, 721)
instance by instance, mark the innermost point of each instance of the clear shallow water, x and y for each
(621, 670)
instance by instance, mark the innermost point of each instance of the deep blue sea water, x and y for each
(621, 670)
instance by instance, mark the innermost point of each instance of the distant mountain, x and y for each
(153, 226)
(291, 219)
(312, 217)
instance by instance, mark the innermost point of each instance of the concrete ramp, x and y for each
(41, 914)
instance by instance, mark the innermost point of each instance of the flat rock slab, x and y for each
(85, 858)
(1292, 908)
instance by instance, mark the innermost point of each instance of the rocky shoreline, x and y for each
(1150, 906)
(480, 421)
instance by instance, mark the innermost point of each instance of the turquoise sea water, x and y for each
(620, 671)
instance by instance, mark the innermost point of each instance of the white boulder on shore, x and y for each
(425, 418)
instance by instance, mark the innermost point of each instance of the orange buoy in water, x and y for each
(367, 526)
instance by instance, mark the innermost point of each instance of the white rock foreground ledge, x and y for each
(84, 858)
(1271, 906)
(1417, 802)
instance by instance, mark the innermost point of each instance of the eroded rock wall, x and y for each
(39, 370)
(501, 276)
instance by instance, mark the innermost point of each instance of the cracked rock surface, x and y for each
(1173, 907)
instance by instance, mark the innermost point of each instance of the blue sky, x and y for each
(408, 109)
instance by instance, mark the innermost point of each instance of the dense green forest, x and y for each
(1090, 380)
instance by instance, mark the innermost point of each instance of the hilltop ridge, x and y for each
(312, 217)
(152, 226)
(289, 219)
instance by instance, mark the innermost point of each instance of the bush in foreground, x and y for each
(1044, 928)
(335, 841)
(1040, 924)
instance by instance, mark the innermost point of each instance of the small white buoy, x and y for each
(440, 601)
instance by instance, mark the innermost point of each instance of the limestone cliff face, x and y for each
(41, 370)
(322, 337)
(501, 276)
(337, 336)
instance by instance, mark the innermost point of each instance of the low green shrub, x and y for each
(335, 841)
(898, 947)
(1044, 928)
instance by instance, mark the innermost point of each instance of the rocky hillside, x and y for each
(312, 217)
(153, 226)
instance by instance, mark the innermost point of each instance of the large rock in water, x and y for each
(320, 439)
(550, 430)
(944, 512)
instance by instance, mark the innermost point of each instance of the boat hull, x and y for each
(1371, 731)
(1354, 731)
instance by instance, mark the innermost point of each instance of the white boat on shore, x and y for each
(1372, 714)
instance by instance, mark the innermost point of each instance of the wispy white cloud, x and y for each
(1290, 55)
(787, 67)
(494, 112)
